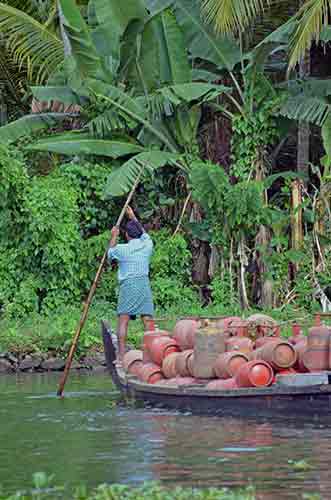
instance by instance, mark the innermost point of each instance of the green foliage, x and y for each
(170, 271)
(53, 234)
(221, 292)
(229, 208)
(51, 332)
(96, 210)
(210, 184)
(44, 488)
(255, 128)
(244, 205)
(13, 186)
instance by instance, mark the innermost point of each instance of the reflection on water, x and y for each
(88, 437)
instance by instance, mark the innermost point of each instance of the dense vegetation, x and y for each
(45, 489)
(231, 128)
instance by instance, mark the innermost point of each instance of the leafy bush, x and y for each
(38, 264)
(96, 211)
(221, 291)
(171, 271)
(44, 489)
(44, 259)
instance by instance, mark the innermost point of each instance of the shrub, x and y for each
(171, 271)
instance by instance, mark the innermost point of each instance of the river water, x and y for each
(91, 437)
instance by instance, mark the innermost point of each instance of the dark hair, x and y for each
(134, 229)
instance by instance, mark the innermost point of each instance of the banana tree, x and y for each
(160, 114)
(166, 117)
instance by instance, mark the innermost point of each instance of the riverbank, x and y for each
(11, 363)
(40, 343)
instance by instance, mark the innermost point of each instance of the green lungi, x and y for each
(135, 297)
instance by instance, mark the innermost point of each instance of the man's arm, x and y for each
(113, 251)
(114, 237)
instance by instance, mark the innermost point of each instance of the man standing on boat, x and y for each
(135, 295)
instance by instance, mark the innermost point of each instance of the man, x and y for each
(135, 295)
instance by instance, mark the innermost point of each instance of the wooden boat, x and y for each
(277, 400)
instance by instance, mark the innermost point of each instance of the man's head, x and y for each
(133, 230)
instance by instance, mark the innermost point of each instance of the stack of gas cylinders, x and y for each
(228, 353)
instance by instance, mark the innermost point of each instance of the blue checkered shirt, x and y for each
(133, 257)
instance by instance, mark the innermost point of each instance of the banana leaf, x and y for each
(61, 94)
(83, 51)
(83, 144)
(30, 124)
(122, 179)
(201, 40)
(114, 17)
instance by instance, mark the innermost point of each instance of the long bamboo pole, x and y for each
(91, 294)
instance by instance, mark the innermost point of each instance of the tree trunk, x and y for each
(263, 284)
(200, 256)
(263, 239)
(241, 281)
(214, 261)
(296, 216)
(303, 127)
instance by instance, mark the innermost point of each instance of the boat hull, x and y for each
(262, 402)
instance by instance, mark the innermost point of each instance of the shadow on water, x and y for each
(89, 436)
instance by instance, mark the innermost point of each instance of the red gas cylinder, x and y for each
(240, 342)
(190, 364)
(256, 373)
(279, 354)
(169, 365)
(261, 341)
(228, 363)
(149, 337)
(228, 324)
(316, 357)
(319, 337)
(235, 327)
(300, 349)
(221, 385)
(297, 335)
(182, 363)
(150, 373)
(133, 362)
(184, 332)
(161, 347)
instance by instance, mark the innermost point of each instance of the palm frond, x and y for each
(313, 16)
(39, 9)
(232, 16)
(32, 45)
(12, 82)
